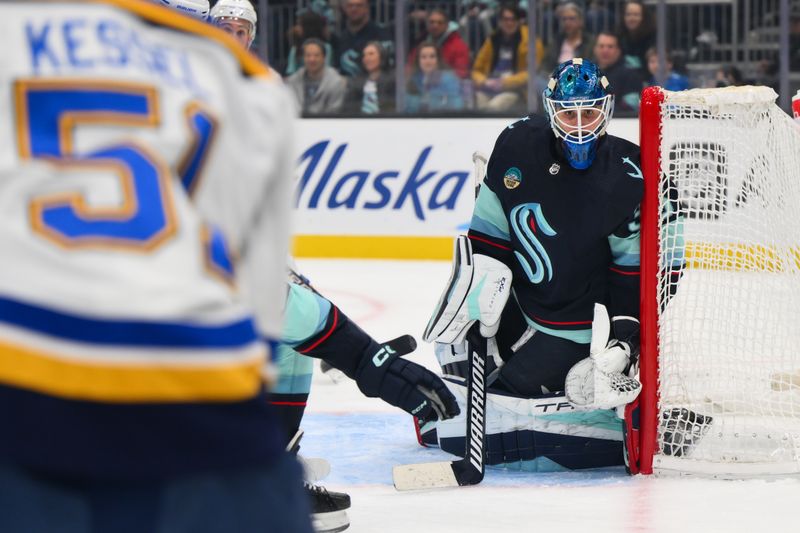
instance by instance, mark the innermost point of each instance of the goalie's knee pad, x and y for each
(478, 289)
(536, 434)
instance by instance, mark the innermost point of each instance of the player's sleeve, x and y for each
(336, 339)
(318, 328)
(623, 272)
(624, 242)
(379, 370)
(263, 251)
(307, 315)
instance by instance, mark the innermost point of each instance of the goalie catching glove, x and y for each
(383, 373)
(601, 381)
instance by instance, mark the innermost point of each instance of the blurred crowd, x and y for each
(341, 61)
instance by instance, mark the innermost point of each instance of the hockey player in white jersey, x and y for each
(238, 18)
(316, 328)
(194, 8)
(132, 375)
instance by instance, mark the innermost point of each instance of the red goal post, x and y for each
(720, 284)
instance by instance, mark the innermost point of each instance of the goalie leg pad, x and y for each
(539, 434)
(478, 290)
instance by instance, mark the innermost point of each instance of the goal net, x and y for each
(720, 284)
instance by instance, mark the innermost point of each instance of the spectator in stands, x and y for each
(374, 91)
(317, 87)
(500, 72)
(432, 87)
(768, 69)
(598, 16)
(572, 41)
(309, 25)
(477, 22)
(637, 34)
(794, 37)
(444, 34)
(728, 76)
(358, 31)
(674, 81)
(626, 83)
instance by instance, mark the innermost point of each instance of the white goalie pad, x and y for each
(598, 382)
(551, 414)
(478, 290)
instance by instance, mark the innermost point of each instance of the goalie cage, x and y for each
(720, 284)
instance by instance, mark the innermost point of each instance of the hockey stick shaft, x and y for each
(470, 469)
(480, 162)
(472, 465)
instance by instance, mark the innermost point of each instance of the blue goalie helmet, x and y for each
(579, 106)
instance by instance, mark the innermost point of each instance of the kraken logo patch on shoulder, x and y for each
(512, 178)
(554, 169)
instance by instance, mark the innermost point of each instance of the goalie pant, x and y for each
(541, 434)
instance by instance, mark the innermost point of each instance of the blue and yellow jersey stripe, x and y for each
(112, 361)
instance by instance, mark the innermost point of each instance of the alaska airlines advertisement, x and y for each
(378, 187)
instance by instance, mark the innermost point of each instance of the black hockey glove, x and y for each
(383, 373)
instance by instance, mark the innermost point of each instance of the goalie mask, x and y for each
(238, 18)
(579, 107)
(194, 8)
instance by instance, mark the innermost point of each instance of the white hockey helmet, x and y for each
(194, 8)
(226, 12)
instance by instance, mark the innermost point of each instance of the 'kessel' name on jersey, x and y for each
(86, 43)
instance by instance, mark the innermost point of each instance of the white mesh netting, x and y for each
(729, 337)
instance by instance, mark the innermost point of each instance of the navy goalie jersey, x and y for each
(570, 237)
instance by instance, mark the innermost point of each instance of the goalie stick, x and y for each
(480, 162)
(470, 469)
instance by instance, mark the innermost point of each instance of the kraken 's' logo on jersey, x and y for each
(529, 224)
(512, 178)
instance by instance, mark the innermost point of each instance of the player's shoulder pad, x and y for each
(621, 145)
(521, 132)
(625, 167)
(529, 123)
(625, 156)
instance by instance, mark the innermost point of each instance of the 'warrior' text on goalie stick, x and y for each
(470, 469)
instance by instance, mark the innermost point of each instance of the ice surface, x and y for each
(363, 438)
